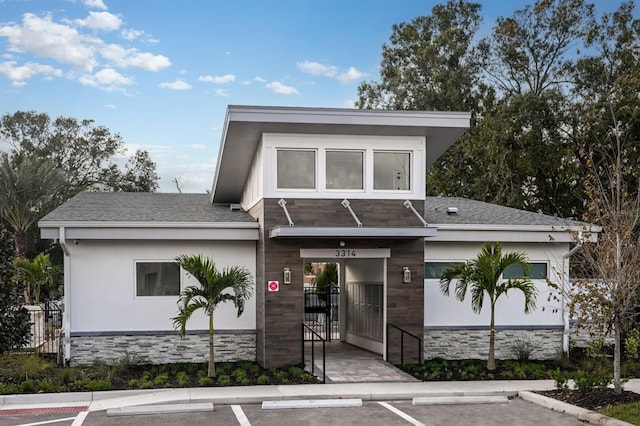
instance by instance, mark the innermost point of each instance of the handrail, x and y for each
(402, 333)
(324, 353)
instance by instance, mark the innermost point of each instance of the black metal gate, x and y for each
(321, 312)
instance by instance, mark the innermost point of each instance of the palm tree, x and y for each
(39, 274)
(29, 188)
(211, 291)
(484, 275)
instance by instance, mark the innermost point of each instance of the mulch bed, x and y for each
(593, 399)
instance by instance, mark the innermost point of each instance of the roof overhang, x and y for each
(511, 233)
(189, 231)
(244, 126)
(351, 232)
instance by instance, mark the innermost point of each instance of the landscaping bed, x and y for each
(34, 374)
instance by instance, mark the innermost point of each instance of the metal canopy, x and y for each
(351, 232)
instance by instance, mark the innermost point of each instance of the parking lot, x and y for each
(516, 412)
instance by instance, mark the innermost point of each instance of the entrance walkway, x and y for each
(349, 364)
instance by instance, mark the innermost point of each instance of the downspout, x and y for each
(565, 282)
(67, 295)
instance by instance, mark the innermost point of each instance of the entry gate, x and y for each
(321, 312)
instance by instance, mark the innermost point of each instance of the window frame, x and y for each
(533, 271)
(315, 169)
(409, 172)
(363, 174)
(181, 278)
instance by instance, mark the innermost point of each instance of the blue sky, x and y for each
(161, 73)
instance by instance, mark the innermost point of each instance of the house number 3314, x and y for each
(345, 253)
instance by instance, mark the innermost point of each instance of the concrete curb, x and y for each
(562, 407)
(138, 410)
(460, 400)
(311, 403)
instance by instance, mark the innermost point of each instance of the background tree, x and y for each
(608, 135)
(483, 275)
(87, 154)
(15, 324)
(233, 284)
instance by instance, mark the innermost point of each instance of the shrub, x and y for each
(262, 380)
(523, 348)
(586, 380)
(223, 380)
(560, 378)
(93, 385)
(631, 344)
(595, 348)
(161, 379)
(182, 378)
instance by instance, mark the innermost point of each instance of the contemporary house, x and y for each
(293, 186)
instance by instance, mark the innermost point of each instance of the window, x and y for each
(296, 169)
(392, 171)
(538, 271)
(157, 279)
(433, 270)
(344, 170)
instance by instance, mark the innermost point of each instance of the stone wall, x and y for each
(162, 348)
(474, 343)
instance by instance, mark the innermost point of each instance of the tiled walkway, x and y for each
(349, 364)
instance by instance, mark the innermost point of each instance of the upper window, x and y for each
(296, 169)
(157, 279)
(344, 170)
(392, 171)
(434, 270)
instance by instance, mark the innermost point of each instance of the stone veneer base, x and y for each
(162, 348)
(474, 343)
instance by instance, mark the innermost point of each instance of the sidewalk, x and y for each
(96, 401)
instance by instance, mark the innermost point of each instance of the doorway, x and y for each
(322, 300)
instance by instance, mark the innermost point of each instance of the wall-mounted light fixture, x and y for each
(286, 278)
(406, 275)
(342, 244)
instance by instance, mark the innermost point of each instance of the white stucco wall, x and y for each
(102, 285)
(446, 311)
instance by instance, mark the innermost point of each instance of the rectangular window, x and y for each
(538, 271)
(157, 279)
(392, 171)
(433, 270)
(344, 169)
(296, 169)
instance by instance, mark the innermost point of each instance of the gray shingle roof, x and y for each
(143, 207)
(472, 212)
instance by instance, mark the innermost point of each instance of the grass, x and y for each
(626, 412)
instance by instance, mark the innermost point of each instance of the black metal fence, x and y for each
(46, 324)
(321, 312)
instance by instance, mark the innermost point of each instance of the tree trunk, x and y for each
(21, 244)
(616, 358)
(212, 364)
(491, 361)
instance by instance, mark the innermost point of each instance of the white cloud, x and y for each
(111, 106)
(198, 146)
(97, 4)
(280, 88)
(192, 177)
(19, 74)
(316, 68)
(45, 38)
(351, 75)
(131, 34)
(100, 21)
(260, 79)
(125, 58)
(221, 92)
(218, 79)
(176, 85)
(107, 79)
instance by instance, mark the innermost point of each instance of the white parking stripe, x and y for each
(401, 414)
(80, 418)
(48, 422)
(242, 419)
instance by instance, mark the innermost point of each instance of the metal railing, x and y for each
(402, 334)
(315, 337)
(46, 324)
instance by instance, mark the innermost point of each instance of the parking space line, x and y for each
(80, 418)
(401, 414)
(48, 422)
(242, 418)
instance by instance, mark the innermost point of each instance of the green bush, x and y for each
(93, 385)
(224, 380)
(262, 380)
(523, 348)
(586, 380)
(182, 378)
(560, 378)
(631, 344)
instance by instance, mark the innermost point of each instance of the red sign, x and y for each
(273, 285)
